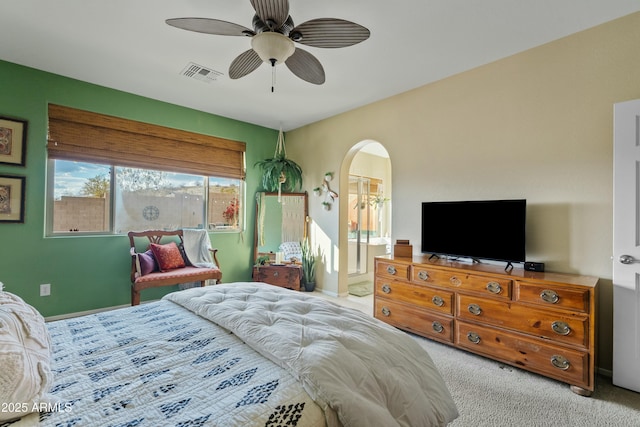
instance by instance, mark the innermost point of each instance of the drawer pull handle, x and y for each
(423, 275)
(561, 328)
(455, 281)
(560, 362)
(386, 311)
(275, 274)
(391, 269)
(494, 287)
(386, 288)
(549, 296)
(474, 309)
(473, 337)
(437, 326)
(438, 301)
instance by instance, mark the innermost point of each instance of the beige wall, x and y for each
(536, 125)
(81, 214)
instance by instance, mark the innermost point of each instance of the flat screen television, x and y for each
(482, 229)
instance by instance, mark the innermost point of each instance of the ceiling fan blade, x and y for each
(329, 33)
(274, 13)
(306, 66)
(210, 26)
(244, 63)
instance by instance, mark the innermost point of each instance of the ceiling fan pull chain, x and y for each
(273, 77)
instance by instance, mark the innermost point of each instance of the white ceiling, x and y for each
(126, 45)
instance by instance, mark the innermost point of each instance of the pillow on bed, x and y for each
(25, 354)
(147, 263)
(168, 256)
(291, 250)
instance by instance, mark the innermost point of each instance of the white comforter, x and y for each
(366, 371)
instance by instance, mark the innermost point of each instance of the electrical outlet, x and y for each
(45, 290)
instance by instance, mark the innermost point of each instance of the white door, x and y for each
(626, 246)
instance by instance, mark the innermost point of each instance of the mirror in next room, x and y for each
(281, 225)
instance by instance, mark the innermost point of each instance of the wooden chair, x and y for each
(185, 274)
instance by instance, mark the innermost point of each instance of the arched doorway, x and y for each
(368, 214)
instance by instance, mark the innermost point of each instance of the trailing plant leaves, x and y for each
(271, 170)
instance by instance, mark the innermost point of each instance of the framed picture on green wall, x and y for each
(12, 198)
(13, 141)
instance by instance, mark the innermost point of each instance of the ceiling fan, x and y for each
(273, 36)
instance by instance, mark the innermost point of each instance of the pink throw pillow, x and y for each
(168, 256)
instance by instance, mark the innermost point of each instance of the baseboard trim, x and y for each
(605, 372)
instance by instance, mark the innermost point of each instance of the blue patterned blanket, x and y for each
(159, 364)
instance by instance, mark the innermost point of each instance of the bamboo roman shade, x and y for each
(91, 137)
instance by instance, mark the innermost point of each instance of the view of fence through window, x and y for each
(142, 199)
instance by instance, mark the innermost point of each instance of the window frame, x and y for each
(50, 203)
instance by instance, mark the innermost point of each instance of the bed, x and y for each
(237, 354)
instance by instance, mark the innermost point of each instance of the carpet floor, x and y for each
(489, 393)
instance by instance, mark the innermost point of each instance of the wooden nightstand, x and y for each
(285, 276)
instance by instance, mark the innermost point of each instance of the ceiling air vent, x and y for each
(201, 73)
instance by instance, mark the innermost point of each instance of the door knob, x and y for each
(627, 259)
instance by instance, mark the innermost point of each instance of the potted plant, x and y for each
(317, 191)
(378, 200)
(308, 266)
(326, 206)
(231, 212)
(280, 173)
(262, 260)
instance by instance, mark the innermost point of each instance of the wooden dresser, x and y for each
(541, 322)
(285, 276)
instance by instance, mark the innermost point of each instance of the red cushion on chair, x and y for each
(168, 256)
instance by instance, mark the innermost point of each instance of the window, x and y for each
(97, 198)
(110, 175)
(365, 206)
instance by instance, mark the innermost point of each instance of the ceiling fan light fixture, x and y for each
(273, 37)
(273, 48)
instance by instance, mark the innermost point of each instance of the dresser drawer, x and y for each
(413, 319)
(554, 325)
(553, 296)
(495, 287)
(392, 269)
(564, 364)
(430, 298)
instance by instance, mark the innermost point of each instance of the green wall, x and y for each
(89, 273)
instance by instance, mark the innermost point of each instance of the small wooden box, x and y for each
(403, 249)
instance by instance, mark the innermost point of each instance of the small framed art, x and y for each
(12, 198)
(13, 141)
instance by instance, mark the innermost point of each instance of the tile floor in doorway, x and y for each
(364, 304)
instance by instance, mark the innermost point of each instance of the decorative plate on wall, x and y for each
(151, 213)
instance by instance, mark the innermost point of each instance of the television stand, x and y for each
(538, 321)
